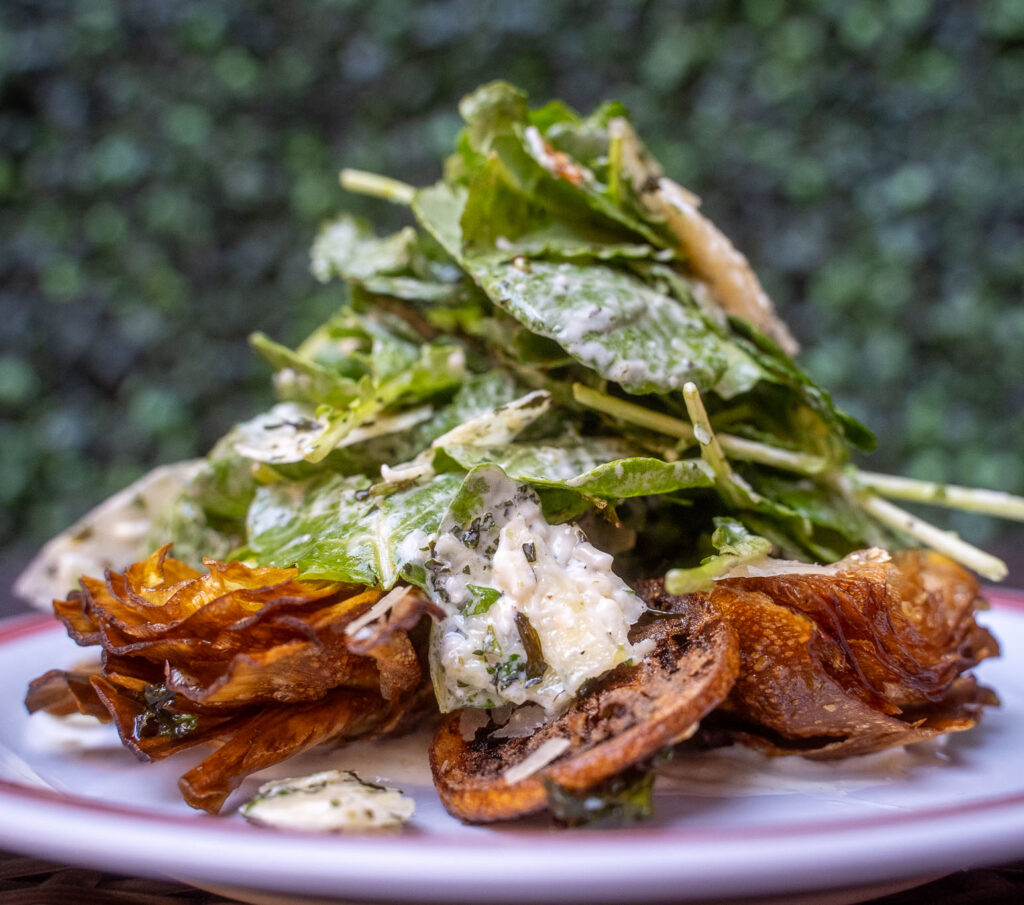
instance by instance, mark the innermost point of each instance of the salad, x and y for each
(551, 416)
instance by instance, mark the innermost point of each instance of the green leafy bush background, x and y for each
(164, 166)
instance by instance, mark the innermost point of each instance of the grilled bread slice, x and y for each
(620, 720)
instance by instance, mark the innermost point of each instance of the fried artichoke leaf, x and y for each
(61, 692)
(161, 598)
(153, 722)
(289, 672)
(308, 657)
(275, 733)
(864, 657)
(251, 656)
(80, 626)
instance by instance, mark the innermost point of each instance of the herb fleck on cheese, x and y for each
(330, 801)
(535, 609)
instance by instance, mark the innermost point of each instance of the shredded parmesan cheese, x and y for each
(551, 749)
(379, 609)
(471, 719)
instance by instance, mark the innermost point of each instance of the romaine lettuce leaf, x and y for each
(333, 527)
(605, 318)
(498, 127)
(735, 546)
(594, 468)
(347, 247)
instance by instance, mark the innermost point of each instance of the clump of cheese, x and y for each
(578, 608)
(330, 801)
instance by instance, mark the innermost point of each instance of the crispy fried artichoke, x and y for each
(251, 657)
(864, 656)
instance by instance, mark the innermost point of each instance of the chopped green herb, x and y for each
(535, 666)
(157, 719)
(626, 798)
(481, 599)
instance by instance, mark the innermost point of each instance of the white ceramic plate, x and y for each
(729, 825)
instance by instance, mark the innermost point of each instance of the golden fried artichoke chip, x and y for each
(62, 692)
(79, 625)
(620, 720)
(154, 723)
(163, 607)
(254, 657)
(275, 733)
(398, 666)
(301, 668)
(864, 657)
(387, 640)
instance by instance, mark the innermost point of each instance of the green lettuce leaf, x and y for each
(330, 363)
(612, 322)
(605, 318)
(347, 247)
(498, 127)
(497, 219)
(832, 524)
(591, 468)
(300, 378)
(332, 526)
(438, 368)
(735, 546)
(784, 371)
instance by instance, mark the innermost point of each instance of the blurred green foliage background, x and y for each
(164, 165)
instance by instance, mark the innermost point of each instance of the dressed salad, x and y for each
(559, 382)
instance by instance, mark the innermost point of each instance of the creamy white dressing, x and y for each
(329, 801)
(549, 575)
(413, 547)
(499, 426)
(74, 734)
(290, 431)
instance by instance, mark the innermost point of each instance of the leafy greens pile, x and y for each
(543, 320)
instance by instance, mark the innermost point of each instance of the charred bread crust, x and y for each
(619, 720)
